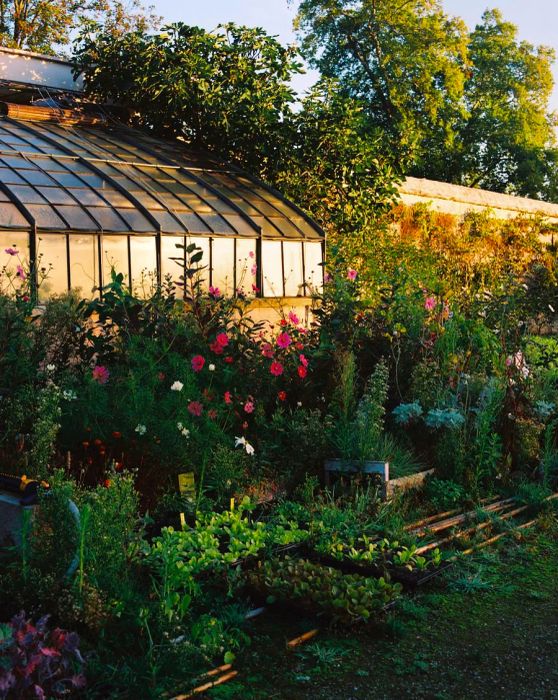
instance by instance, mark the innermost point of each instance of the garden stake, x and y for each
(445, 524)
(439, 516)
(297, 641)
(207, 686)
(476, 528)
(490, 541)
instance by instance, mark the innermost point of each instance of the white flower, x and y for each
(185, 432)
(69, 395)
(551, 308)
(299, 404)
(177, 386)
(211, 368)
(51, 368)
(179, 426)
(241, 441)
(141, 429)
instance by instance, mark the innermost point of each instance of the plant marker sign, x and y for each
(187, 487)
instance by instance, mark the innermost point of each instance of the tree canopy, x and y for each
(469, 107)
(48, 25)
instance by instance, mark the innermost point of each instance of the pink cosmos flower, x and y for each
(276, 369)
(351, 274)
(228, 398)
(254, 270)
(267, 350)
(20, 272)
(303, 360)
(251, 254)
(100, 374)
(195, 408)
(430, 303)
(214, 292)
(222, 340)
(302, 371)
(197, 363)
(249, 407)
(11, 251)
(293, 318)
(284, 340)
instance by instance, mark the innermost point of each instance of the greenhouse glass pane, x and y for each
(16, 241)
(52, 264)
(115, 256)
(45, 216)
(223, 265)
(10, 217)
(203, 244)
(314, 271)
(143, 255)
(84, 264)
(272, 269)
(246, 266)
(292, 256)
(168, 251)
(77, 218)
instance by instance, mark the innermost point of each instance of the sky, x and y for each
(537, 19)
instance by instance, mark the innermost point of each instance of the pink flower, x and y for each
(255, 289)
(327, 278)
(302, 371)
(228, 398)
(251, 254)
(430, 303)
(267, 350)
(222, 340)
(284, 340)
(11, 251)
(276, 369)
(195, 408)
(293, 318)
(197, 363)
(351, 274)
(303, 360)
(254, 270)
(249, 407)
(216, 348)
(214, 292)
(100, 374)
(20, 272)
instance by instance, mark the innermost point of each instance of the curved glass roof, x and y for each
(112, 179)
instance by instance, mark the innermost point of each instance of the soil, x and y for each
(486, 629)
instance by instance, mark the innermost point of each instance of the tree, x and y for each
(47, 25)
(404, 60)
(227, 91)
(507, 141)
(471, 108)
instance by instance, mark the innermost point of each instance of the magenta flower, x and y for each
(249, 407)
(222, 340)
(100, 374)
(293, 318)
(303, 360)
(351, 274)
(430, 303)
(276, 369)
(11, 251)
(197, 363)
(195, 408)
(284, 340)
(20, 272)
(267, 350)
(214, 292)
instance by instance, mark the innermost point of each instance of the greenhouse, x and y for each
(81, 196)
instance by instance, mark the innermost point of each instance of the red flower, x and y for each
(212, 414)
(302, 372)
(195, 408)
(245, 425)
(229, 360)
(222, 340)
(100, 374)
(107, 483)
(276, 369)
(228, 398)
(197, 363)
(216, 348)
(282, 396)
(267, 350)
(299, 346)
(283, 322)
(303, 360)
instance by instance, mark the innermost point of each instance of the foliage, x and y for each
(36, 662)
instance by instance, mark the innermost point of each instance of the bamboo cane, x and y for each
(490, 541)
(303, 638)
(439, 516)
(458, 519)
(206, 686)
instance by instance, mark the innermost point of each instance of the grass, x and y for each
(486, 629)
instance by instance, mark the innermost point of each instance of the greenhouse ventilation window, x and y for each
(81, 200)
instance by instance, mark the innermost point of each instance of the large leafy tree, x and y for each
(471, 108)
(48, 25)
(403, 59)
(507, 140)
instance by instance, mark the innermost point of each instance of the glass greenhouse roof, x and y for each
(117, 180)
